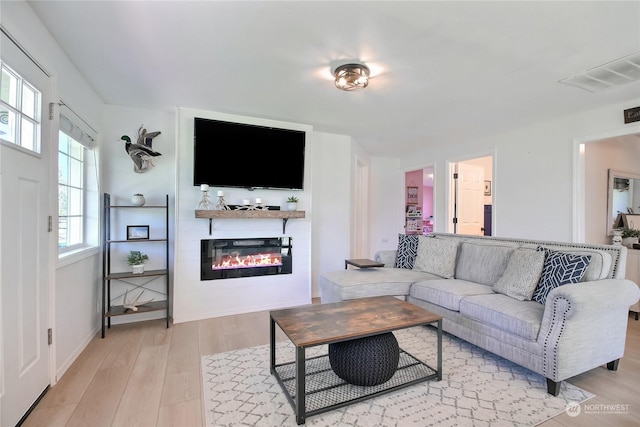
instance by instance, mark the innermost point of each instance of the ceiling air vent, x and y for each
(619, 72)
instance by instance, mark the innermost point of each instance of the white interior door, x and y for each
(470, 201)
(24, 254)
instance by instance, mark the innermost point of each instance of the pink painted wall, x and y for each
(413, 179)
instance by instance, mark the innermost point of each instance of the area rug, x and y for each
(477, 389)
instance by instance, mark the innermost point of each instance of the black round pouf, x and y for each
(365, 361)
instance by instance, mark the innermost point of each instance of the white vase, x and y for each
(292, 206)
(138, 200)
(617, 238)
(138, 269)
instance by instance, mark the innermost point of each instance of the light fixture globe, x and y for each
(352, 76)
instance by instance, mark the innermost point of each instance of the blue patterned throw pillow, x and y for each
(407, 250)
(560, 268)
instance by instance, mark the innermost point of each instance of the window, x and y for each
(70, 192)
(19, 111)
(78, 202)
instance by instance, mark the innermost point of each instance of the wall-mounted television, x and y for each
(228, 154)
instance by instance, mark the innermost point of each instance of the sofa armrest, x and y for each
(388, 257)
(585, 326)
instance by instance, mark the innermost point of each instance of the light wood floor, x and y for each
(143, 374)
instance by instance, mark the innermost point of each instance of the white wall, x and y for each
(318, 248)
(195, 299)
(77, 299)
(533, 185)
(387, 203)
(330, 235)
(75, 287)
(121, 182)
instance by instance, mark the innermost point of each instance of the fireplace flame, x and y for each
(247, 261)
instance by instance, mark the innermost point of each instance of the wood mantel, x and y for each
(249, 214)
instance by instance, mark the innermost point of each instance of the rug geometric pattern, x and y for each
(477, 389)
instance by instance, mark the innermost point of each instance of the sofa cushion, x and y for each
(482, 263)
(521, 318)
(343, 285)
(407, 249)
(447, 293)
(436, 256)
(522, 274)
(560, 268)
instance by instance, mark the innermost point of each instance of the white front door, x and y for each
(24, 251)
(470, 201)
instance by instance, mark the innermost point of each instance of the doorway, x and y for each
(618, 150)
(419, 201)
(472, 187)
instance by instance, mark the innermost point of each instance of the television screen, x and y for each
(230, 154)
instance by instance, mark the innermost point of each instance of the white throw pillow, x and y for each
(522, 274)
(436, 256)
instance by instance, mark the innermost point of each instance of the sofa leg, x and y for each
(613, 366)
(553, 387)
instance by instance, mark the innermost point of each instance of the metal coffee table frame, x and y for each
(312, 388)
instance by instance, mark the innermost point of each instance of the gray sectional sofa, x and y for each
(558, 309)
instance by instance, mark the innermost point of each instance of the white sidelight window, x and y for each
(78, 202)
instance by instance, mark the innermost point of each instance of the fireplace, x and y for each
(230, 258)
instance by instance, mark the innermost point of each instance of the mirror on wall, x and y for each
(623, 196)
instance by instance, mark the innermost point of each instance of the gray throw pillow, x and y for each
(522, 274)
(436, 256)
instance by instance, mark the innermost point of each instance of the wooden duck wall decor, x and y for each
(141, 152)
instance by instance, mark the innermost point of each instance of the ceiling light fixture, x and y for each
(352, 76)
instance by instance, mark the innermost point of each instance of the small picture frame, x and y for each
(412, 195)
(137, 232)
(487, 188)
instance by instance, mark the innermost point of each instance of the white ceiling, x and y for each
(442, 70)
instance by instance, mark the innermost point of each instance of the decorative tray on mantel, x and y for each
(249, 214)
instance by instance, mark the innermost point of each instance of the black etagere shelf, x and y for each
(108, 276)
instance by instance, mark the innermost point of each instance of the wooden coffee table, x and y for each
(309, 384)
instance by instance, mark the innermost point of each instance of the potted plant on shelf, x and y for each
(292, 203)
(630, 236)
(136, 260)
